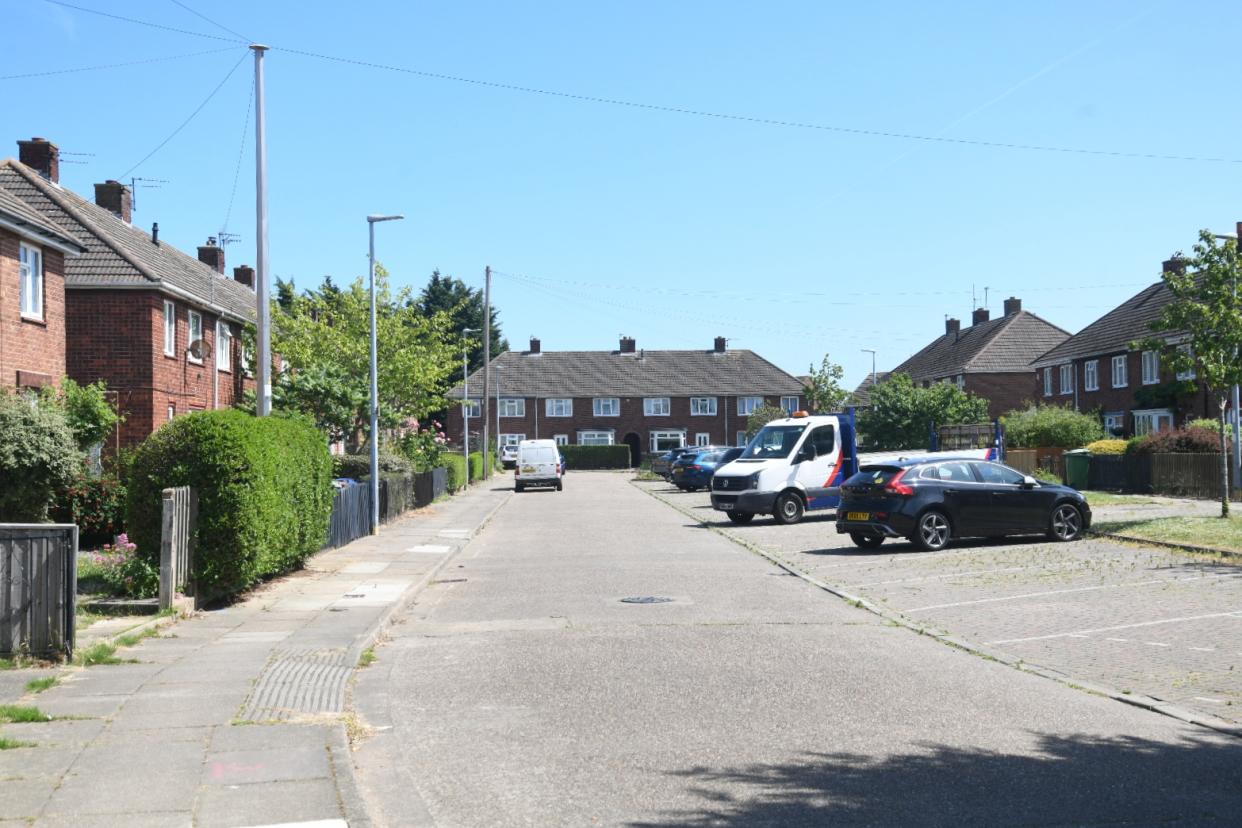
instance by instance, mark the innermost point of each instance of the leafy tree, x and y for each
(760, 417)
(90, 416)
(1207, 311)
(38, 457)
(902, 414)
(286, 292)
(825, 393)
(325, 341)
(1051, 426)
(444, 294)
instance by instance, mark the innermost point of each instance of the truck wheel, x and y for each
(740, 517)
(788, 509)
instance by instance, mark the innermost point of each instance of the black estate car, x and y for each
(931, 502)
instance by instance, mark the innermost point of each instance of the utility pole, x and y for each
(262, 286)
(465, 401)
(487, 359)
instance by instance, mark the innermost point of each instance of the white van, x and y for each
(538, 464)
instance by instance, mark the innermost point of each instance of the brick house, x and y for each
(991, 358)
(1097, 370)
(650, 400)
(860, 397)
(32, 295)
(162, 329)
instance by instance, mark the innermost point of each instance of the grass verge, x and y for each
(1215, 532)
(22, 714)
(1113, 499)
(40, 684)
(11, 744)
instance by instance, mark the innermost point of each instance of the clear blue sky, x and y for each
(673, 228)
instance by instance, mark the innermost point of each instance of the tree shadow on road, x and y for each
(1062, 780)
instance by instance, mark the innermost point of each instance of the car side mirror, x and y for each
(1029, 482)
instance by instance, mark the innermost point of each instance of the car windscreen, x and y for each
(711, 457)
(874, 476)
(540, 454)
(773, 441)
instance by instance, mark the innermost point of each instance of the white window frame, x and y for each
(1048, 381)
(172, 411)
(789, 404)
(596, 437)
(652, 406)
(1067, 378)
(1121, 378)
(702, 438)
(747, 405)
(512, 406)
(196, 321)
(558, 407)
(1151, 367)
(703, 407)
(1091, 375)
(1148, 420)
(472, 408)
(1186, 375)
(656, 435)
(961, 382)
(606, 406)
(503, 440)
(741, 439)
(224, 347)
(1114, 420)
(170, 328)
(30, 266)
(561, 439)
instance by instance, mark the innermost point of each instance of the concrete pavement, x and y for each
(233, 717)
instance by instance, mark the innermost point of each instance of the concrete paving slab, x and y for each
(24, 798)
(272, 803)
(57, 732)
(164, 819)
(268, 737)
(287, 763)
(84, 705)
(128, 790)
(38, 762)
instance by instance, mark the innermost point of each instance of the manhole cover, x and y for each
(646, 599)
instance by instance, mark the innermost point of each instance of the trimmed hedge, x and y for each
(358, 466)
(597, 457)
(476, 466)
(1191, 440)
(264, 494)
(456, 465)
(1107, 447)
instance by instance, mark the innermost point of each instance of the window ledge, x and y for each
(34, 320)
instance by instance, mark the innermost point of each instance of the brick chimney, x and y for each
(1174, 265)
(534, 345)
(115, 196)
(1012, 306)
(627, 345)
(952, 326)
(212, 255)
(979, 316)
(42, 156)
(244, 274)
(721, 344)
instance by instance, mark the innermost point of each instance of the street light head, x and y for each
(374, 219)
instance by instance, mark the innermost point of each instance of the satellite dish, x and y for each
(198, 349)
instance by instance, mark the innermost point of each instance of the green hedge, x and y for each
(456, 465)
(358, 466)
(264, 494)
(597, 457)
(476, 466)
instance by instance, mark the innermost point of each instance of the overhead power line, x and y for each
(219, 26)
(102, 66)
(137, 22)
(240, 152)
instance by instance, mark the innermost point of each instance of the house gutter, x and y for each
(37, 234)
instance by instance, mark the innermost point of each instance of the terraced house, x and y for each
(162, 329)
(649, 400)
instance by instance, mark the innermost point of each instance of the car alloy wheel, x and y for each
(1066, 523)
(933, 532)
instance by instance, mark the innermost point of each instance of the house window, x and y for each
(961, 382)
(196, 333)
(747, 405)
(1067, 379)
(559, 407)
(31, 267)
(665, 440)
(1185, 375)
(172, 411)
(741, 439)
(1115, 423)
(789, 404)
(513, 406)
(1047, 382)
(595, 438)
(1120, 378)
(472, 408)
(1151, 367)
(702, 439)
(656, 406)
(703, 406)
(1091, 375)
(170, 329)
(606, 407)
(561, 439)
(224, 346)
(510, 439)
(1152, 420)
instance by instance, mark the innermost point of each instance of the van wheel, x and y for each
(788, 509)
(740, 517)
(559, 485)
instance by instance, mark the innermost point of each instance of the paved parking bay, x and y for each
(1137, 619)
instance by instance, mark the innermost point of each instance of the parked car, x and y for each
(508, 455)
(662, 463)
(931, 501)
(694, 470)
(539, 463)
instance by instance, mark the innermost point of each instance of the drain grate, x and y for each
(299, 681)
(646, 599)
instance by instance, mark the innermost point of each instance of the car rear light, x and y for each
(697, 467)
(895, 486)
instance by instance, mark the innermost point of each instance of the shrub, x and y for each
(38, 457)
(424, 448)
(95, 504)
(1046, 475)
(476, 466)
(1190, 440)
(456, 465)
(90, 416)
(358, 466)
(264, 493)
(1208, 423)
(1051, 426)
(1107, 446)
(597, 457)
(126, 572)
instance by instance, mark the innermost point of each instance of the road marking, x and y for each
(1235, 614)
(1122, 640)
(1076, 635)
(1204, 649)
(1065, 592)
(1206, 699)
(934, 577)
(1156, 644)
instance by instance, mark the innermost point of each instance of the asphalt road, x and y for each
(520, 690)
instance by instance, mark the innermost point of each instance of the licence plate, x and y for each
(725, 507)
(857, 515)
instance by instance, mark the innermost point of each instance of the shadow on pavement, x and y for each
(1065, 780)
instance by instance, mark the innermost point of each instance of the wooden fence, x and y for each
(1186, 475)
(38, 589)
(177, 538)
(1028, 460)
(351, 505)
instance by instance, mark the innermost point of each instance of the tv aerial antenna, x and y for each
(147, 184)
(226, 239)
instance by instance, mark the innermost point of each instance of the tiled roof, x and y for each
(17, 212)
(119, 254)
(1004, 345)
(1114, 331)
(861, 398)
(642, 374)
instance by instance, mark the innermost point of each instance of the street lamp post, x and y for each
(465, 402)
(872, 352)
(371, 222)
(1237, 416)
(495, 368)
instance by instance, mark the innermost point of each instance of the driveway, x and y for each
(1138, 619)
